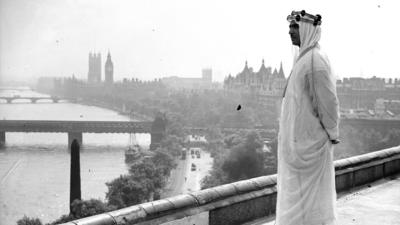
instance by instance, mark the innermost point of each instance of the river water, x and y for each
(35, 167)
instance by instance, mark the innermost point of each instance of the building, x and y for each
(264, 82)
(109, 70)
(94, 74)
(179, 83)
(362, 93)
(195, 141)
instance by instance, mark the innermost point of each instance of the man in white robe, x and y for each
(308, 128)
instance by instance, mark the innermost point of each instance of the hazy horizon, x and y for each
(155, 38)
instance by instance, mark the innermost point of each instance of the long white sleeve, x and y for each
(324, 99)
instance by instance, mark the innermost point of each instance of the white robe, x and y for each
(308, 120)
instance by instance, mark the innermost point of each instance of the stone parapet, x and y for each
(242, 201)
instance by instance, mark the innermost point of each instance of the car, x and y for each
(193, 167)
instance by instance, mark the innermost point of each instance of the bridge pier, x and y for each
(74, 135)
(2, 138)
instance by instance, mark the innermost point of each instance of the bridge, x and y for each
(76, 128)
(32, 99)
(247, 201)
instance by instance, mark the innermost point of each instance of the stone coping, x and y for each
(220, 196)
(366, 158)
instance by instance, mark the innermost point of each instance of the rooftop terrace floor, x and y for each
(375, 203)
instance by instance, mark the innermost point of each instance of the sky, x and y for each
(150, 39)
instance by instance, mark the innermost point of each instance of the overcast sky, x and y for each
(156, 38)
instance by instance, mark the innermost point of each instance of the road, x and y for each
(183, 180)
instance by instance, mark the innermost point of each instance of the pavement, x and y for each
(377, 203)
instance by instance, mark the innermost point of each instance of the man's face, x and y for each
(294, 33)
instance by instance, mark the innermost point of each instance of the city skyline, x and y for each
(178, 38)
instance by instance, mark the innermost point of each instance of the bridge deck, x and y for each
(75, 126)
(375, 203)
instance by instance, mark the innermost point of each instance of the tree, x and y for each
(127, 190)
(242, 160)
(173, 144)
(84, 209)
(148, 170)
(271, 158)
(164, 161)
(29, 221)
(245, 160)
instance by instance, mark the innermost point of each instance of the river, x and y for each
(34, 167)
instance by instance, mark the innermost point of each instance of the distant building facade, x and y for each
(179, 83)
(264, 82)
(362, 93)
(109, 70)
(94, 74)
(264, 87)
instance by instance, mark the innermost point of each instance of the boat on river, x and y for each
(134, 151)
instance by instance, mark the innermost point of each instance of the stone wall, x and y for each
(243, 201)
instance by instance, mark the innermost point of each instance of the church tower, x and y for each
(109, 70)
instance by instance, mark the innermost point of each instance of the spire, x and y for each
(275, 73)
(262, 68)
(281, 74)
(246, 68)
(108, 55)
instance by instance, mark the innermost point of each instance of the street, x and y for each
(183, 180)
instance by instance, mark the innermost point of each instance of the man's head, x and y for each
(294, 33)
(300, 19)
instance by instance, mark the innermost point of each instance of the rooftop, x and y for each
(371, 204)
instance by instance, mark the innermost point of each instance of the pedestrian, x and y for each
(308, 129)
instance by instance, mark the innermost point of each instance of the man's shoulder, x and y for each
(320, 59)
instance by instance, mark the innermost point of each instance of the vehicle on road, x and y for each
(183, 154)
(193, 167)
(198, 153)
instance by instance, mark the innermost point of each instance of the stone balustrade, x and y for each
(245, 200)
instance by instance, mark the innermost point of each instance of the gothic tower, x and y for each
(109, 70)
(94, 74)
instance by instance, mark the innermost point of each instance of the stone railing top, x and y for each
(264, 184)
(366, 158)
